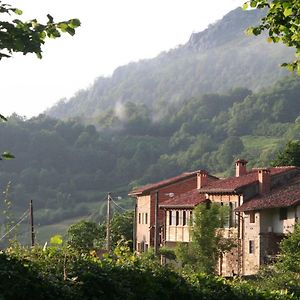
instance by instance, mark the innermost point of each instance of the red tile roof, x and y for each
(283, 196)
(234, 184)
(187, 200)
(154, 186)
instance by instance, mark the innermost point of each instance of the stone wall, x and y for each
(251, 244)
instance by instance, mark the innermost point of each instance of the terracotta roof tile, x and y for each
(160, 184)
(186, 200)
(163, 183)
(232, 184)
(283, 196)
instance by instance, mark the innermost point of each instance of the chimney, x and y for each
(240, 167)
(202, 177)
(264, 181)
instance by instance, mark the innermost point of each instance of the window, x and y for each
(252, 217)
(177, 217)
(139, 247)
(173, 217)
(251, 246)
(184, 218)
(139, 218)
(234, 215)
(283, 213)
(170, 217)
(146, 218)
(230, 215)
(142, 246)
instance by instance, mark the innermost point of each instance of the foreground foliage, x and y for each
(28, 36)
(282, 22)
(57, 272)
(207, 245)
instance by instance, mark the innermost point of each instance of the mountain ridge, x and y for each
(217, 59)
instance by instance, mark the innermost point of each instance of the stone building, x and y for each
(264, 205)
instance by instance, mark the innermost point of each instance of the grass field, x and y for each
(97, 213)
(261, 143)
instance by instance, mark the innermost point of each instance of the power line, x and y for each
(25, 215)
(124, 209)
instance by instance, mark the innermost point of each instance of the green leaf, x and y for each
(249, 31)
(7, 155)
(3, 118)
(63, 26)
(245, 6)
(17, 11)
(74, 23)
(39, 55)
(50, 18)
(287, 12)
(70, 30)
(56, 240)
(253, 4)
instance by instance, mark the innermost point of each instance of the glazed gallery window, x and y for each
(178, 217)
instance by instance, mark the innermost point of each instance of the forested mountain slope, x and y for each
(67, 168)
(220, 58)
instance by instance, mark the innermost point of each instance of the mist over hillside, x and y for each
(218, 59)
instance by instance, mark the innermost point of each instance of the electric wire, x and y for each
(25, 215)
(116, 204)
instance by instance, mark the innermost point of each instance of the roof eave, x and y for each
(217, 191)
(178, 206)
(241, 209)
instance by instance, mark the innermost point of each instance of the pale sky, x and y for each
(113, 33)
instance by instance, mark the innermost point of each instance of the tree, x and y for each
(84, 235)
(284, 274)
(121, 228)
(290, 251)
(289, 156)
(282, 22)
(207, 244)
(28, 37)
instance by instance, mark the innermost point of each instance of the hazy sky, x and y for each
(113, 33)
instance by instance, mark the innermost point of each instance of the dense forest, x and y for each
(217, 59)
(67, 167)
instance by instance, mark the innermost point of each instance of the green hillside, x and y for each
(67, 168)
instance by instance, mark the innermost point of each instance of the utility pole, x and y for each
(156, 225)
(31, 223)
(108, 223)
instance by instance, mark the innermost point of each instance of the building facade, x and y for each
(149, 197)
(263, 204)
